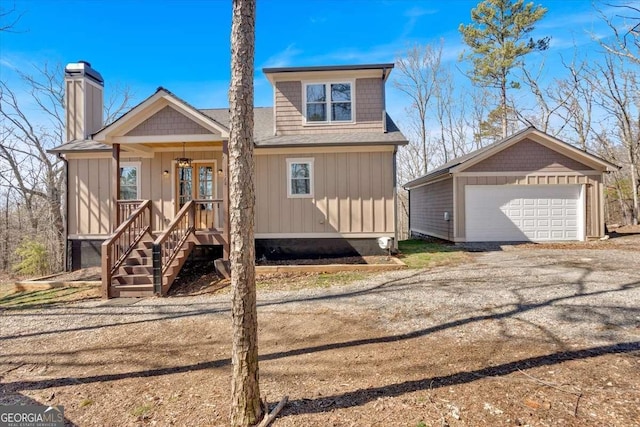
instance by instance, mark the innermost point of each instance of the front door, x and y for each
(198, 182)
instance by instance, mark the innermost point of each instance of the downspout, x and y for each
(65, 202)
(384, 101)
(395, 166)
(395, 200)
(408, 213)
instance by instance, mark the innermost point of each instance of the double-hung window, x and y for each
(129, 180)
(300, 177)
(328, 102)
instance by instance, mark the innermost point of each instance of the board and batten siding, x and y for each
(89, 198)
(427, 204)
(592, 185)
(90, 183)
(353, 193)
(85, 103)
(289, 109)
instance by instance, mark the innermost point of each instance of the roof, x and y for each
(329, 68)
(497, 146)
(80, 145)
(263, 134)
(393, 136)
(159, 91)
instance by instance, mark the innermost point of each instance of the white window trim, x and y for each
(328, 102)
(309, 161)
(138, 167)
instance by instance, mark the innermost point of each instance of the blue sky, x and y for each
(183, 45)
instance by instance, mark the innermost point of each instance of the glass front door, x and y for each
(198, 182)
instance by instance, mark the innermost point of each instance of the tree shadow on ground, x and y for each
(517, 309)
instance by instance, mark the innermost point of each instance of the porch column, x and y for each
(115, 187)
(225, 200)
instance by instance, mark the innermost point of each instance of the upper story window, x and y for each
(129, 180)
(328, 102)
(300, 177)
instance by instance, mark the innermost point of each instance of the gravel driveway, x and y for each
(516, 336)
(581, 295)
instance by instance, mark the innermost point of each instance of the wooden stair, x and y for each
(134, 277)
(174, 268)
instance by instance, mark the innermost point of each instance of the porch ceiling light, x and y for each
(184, 161)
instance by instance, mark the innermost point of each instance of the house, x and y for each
(527, 187)
(147, 189)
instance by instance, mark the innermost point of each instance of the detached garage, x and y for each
(528, 187)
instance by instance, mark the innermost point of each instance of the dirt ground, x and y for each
(522, 335)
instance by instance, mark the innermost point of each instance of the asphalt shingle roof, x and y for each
(445, 168)
(263, 134)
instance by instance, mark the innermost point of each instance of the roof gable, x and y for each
(527, 156)
(169, 121)
(156, 103)
(466, 162)
(533, 134)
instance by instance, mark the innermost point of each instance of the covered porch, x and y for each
(149, 242)
(168, 193)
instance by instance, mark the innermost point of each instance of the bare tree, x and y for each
(9, 18)
(549, 101)
(619, 96)
(626, 30)
(246, 409)
(575, 96)
(27, 133)
(418, 79)
(34, 173)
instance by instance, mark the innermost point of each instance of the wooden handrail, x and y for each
(169, 243)
(120, 244)
(126, 208)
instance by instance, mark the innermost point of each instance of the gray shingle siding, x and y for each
(428, 204)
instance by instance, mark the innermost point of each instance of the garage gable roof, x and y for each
(462, 163)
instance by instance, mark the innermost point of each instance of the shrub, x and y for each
(34, 259)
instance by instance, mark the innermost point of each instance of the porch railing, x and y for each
(126, 208)
(209, 214)
(117, 247)
(170, 242)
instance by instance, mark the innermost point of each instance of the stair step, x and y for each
(135, 260)
(135, 275)
(132, 291)
(133, 279)
(136, 269)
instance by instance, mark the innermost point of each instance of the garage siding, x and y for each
(593, 187)
(427, 207)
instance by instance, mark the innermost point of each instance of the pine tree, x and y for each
(498, 41)
(246, 409)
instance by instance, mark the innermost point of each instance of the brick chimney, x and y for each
(84, 89)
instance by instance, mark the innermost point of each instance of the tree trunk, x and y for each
(5, 240)
(503, 105)
(245, 392)
(634, 189)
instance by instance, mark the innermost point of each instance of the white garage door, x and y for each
(535, 213)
